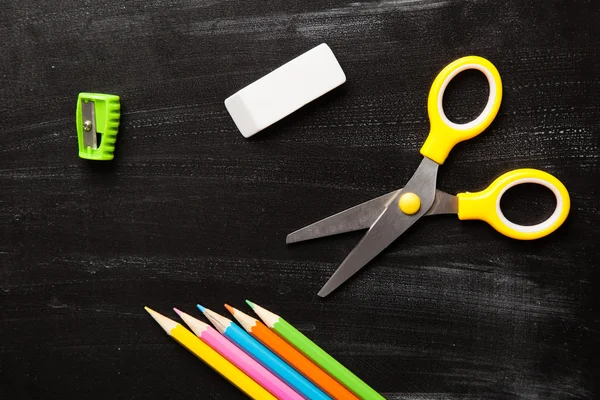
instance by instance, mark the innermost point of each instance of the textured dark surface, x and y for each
(191, 212)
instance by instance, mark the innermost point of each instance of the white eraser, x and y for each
(285, 90)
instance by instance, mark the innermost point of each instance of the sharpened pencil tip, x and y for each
(167, 324)
(251, 304)
(202, 309)
(152, 313)
(267, 316)
(177, 311)
(230, 309)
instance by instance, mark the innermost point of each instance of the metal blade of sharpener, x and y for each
(89, 125)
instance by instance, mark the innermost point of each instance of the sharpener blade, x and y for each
(89, 124)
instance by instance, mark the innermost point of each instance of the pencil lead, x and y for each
(167, 324)
(230, 309)
(202, 309)
(251, 304)
(179, 312)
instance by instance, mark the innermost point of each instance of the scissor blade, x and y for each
(385, 230)
(443, 203)
(388, 227)
(364, 215)
(355, 218)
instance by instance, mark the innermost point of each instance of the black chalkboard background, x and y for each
(190, 211)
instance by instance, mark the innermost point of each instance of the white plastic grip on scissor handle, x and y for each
(489, 107)
(485, 205)
(445, 134)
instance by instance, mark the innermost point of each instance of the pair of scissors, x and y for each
(390, 215)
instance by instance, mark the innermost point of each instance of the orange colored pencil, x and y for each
(292, 356)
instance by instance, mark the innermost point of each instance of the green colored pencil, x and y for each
(315, 353)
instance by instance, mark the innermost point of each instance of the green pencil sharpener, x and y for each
(97, 125)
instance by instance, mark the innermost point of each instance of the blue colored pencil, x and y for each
(266, 357)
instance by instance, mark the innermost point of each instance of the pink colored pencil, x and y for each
(247, 364)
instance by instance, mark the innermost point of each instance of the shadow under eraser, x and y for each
(284, 90)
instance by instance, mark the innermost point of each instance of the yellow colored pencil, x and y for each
(213, 359)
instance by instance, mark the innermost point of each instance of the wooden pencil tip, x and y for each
(230, 309)
(202, 309)
(197, 326)
(251, 304)
(151, 312)
(267, 316)
(246, 321)
(179, 312)
(166, 323)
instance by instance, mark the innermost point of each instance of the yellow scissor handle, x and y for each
(485, 205)
(445, 134)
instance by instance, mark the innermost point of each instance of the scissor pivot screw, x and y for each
(87, 126)
(409, 203)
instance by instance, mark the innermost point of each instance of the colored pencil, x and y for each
(315, 353)
(213, 359)
(237, 357)
(264, 356)
(292, 356)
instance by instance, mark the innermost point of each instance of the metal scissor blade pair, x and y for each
(390, 224)
(382, 233)
(355, 218)
(364, 215)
